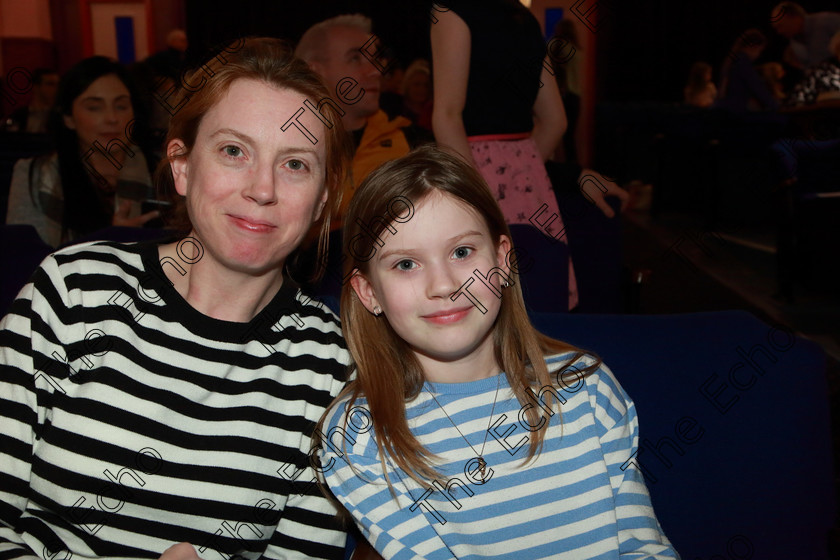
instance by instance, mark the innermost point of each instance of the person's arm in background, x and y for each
(549, 126)
(451, 68)
(550, 120)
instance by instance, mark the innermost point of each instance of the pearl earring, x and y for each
(377, 310)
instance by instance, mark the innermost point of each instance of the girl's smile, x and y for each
(414, 278)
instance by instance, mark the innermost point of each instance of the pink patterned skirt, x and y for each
(515, 173)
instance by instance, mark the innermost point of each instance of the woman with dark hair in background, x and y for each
(99, 130)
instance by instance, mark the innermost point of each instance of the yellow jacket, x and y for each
(383, 140)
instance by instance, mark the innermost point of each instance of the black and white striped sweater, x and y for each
(129, 421)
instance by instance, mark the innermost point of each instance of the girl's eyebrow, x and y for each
(401, 252)
(471, 233)
(410, 252)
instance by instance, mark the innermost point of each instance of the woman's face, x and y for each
(101, 113)
(419, 88)
(252, 189)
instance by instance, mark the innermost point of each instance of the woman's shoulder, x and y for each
(92, 253)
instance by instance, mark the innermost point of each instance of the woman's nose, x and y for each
(261, 187)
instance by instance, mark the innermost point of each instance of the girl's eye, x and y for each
(405, 265)
(233, 151)
(462, 252)
(296, 165)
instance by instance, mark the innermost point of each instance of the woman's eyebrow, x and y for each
(240, 135)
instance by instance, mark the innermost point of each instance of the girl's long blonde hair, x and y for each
(388, 373)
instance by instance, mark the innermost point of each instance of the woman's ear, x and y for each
(321, 204)
(175, 151)
(69, 122)
(364, 290)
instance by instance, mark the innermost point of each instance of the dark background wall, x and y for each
(645, 47)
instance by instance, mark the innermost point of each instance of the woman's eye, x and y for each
(233, 151)
(296, 165)
(405, 264)
(462, 252)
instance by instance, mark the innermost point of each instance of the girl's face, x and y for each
(430, 280)
(101, 113)
(253, 190)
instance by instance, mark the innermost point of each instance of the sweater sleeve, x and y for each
(309, 526)
(639, 532)
(24, 392)
(399, 527)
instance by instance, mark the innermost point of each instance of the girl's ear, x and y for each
(364, 290)
(178, 163)
(502, 253)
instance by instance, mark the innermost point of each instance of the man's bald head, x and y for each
(334, 49)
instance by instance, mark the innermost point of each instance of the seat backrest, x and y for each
(735, 438)
(15, 146)
(542, 267)
(21, 251)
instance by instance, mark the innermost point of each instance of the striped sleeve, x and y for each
(639, 532)
(20, 420)
(394, 527)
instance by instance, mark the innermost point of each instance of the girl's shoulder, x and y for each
(578, 376)
(348, 426)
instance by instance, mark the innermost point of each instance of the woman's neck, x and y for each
(218, 292)
(106, 166)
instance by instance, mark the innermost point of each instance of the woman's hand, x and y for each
(121, 216)
(592, 185)
(180, 551)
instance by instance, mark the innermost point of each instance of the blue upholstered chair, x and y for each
(734, 428)
(542, 267)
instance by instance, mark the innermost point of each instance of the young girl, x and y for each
(466, 433)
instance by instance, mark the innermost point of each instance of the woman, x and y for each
(742, 88)
(417, 93)
(162, 393)
(498, 106)
(99, 144)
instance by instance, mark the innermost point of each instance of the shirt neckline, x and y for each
(284, 302)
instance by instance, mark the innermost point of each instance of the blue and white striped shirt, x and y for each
(581, 497)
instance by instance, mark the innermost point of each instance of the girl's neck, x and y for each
(479, 364)
(219, 292)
